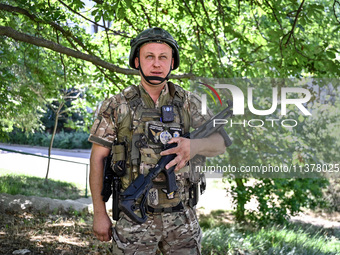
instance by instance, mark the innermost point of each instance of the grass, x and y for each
(35, 186)
(292, 239)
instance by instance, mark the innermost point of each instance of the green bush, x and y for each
(62, 140)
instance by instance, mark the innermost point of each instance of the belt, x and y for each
(177, 208)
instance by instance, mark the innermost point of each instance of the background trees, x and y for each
(45, 51)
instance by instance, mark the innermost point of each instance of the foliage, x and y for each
(312, 142)
(332, 195)
(277, 199)
(217, 39)
(45, 51)
(63, 140)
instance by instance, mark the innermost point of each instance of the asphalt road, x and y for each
(77, 153)
(74, 169)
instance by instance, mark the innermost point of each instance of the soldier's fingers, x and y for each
(171, 163)
(169, 151)
(110, 234)
(174, 162)
(103, 236)
(179, 161)
(175, 140)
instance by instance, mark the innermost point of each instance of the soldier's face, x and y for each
(155, 59)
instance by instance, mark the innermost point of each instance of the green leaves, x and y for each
(217, 39)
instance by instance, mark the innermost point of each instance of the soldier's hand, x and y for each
(182, 150)
(102, 226)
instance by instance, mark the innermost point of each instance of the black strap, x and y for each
(177, 208)
(150, 78)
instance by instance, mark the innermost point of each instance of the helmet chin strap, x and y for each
(150, 78)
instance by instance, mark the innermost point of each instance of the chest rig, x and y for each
(141, 135)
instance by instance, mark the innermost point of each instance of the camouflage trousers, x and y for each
(171, 233)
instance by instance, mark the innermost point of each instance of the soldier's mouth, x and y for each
(156, 73)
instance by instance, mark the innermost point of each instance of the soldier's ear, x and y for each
(136, 62)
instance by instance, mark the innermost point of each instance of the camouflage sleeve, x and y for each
(103, 128)
(195, 110)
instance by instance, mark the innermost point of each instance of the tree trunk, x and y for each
(241, 200)
(52, 139)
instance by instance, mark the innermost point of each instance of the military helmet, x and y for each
(154, 34)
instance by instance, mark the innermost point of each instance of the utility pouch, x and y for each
(167, 113)
(136, 144)
(148, 156)
(193, 195)
(118, 162)
(118, 152)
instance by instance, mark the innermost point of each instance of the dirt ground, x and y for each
(48, 234)
(42, 233)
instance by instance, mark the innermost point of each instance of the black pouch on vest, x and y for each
(168, 114)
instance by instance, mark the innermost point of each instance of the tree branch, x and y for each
(193, 16)
(62, 60)
(214, 35)
(10, 32)
(41, 42)
(336, 17)
(277, 19)
(68, 34)
(97, 24)
(294, 24)
(146, 14)
(108, 77)
(131, 25)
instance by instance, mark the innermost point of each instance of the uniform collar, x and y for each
(148, 100)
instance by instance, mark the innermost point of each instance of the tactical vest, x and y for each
(138, 130)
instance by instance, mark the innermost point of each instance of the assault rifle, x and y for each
(138, 190)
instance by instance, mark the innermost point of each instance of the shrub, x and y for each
(62, 140)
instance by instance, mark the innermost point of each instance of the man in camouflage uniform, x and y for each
(130, 127)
